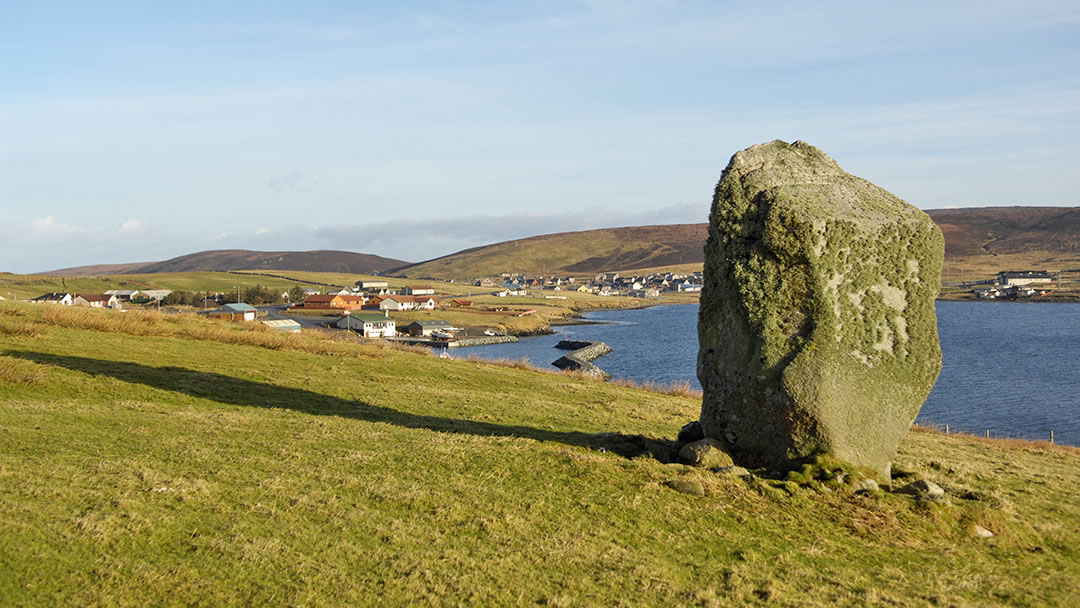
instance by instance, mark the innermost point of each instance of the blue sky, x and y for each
(138, 131)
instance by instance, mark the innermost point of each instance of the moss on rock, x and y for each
(817, 327)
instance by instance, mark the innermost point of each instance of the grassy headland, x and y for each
(547, 307)
(149, 459)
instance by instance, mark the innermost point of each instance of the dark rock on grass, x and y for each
(922, 487)
(691, 432)
(866, 486)
(634, 446)
(925, 491)
(817, 327)
(705, 453)
(686, 486)
(732, 470)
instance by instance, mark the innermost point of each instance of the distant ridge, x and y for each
(975, 237)
(239, 259)
(585, 252)
(984, 238)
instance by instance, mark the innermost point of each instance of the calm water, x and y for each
(1010, 368)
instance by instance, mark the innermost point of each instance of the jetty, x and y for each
(455, 342)
(581, 360)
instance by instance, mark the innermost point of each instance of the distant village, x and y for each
(365, 307)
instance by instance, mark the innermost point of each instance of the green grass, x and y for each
(148, 460)
(33, 285)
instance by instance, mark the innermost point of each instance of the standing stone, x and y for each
(817, 327)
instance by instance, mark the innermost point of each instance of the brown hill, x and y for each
(977, 240)
(239, 259)
(1008, 230)
(99, 269)
(584, 252)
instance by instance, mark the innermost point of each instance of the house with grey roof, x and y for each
(238, 311)
(287, 325)
(368, 324)
(425, 328)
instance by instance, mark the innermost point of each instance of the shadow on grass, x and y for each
(237, 391)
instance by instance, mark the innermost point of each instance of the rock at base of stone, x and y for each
(691, 432)
(982, 532)
(707, 453)
(817, 326)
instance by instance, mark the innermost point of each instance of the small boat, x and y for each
(445, 355)
(441, 335)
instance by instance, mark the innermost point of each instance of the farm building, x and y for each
(234, 312)
(368, 324)
(287, 325)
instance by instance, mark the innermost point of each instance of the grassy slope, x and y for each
(30, 286)
(33, 285)
(575, 253)
(209, 464)
(568, 304)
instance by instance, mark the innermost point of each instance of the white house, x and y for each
(418, 291)
(408, 303)
(96, 300)
(55, 298)
(368, 324)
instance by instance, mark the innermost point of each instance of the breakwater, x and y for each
(458, 342)
(581, 360)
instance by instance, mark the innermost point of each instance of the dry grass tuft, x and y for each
(19, 371)
(13, 327)
(681, 388)
(400, 346)
(511, 363)
(153, 323)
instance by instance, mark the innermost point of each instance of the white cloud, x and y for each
(130, 225)
(41, 228)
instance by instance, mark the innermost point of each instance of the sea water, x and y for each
(1010, 368)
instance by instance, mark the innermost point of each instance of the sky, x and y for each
(140, 131)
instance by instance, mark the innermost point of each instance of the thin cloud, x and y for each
(294, 180)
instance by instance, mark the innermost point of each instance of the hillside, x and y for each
(980, 240)
(1009, 230)
(160, 459)
(576, 253)
(240, 259)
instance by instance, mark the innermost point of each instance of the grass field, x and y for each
(24, 287)
(166, 460)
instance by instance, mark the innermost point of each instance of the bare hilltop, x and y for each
(978, 240)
